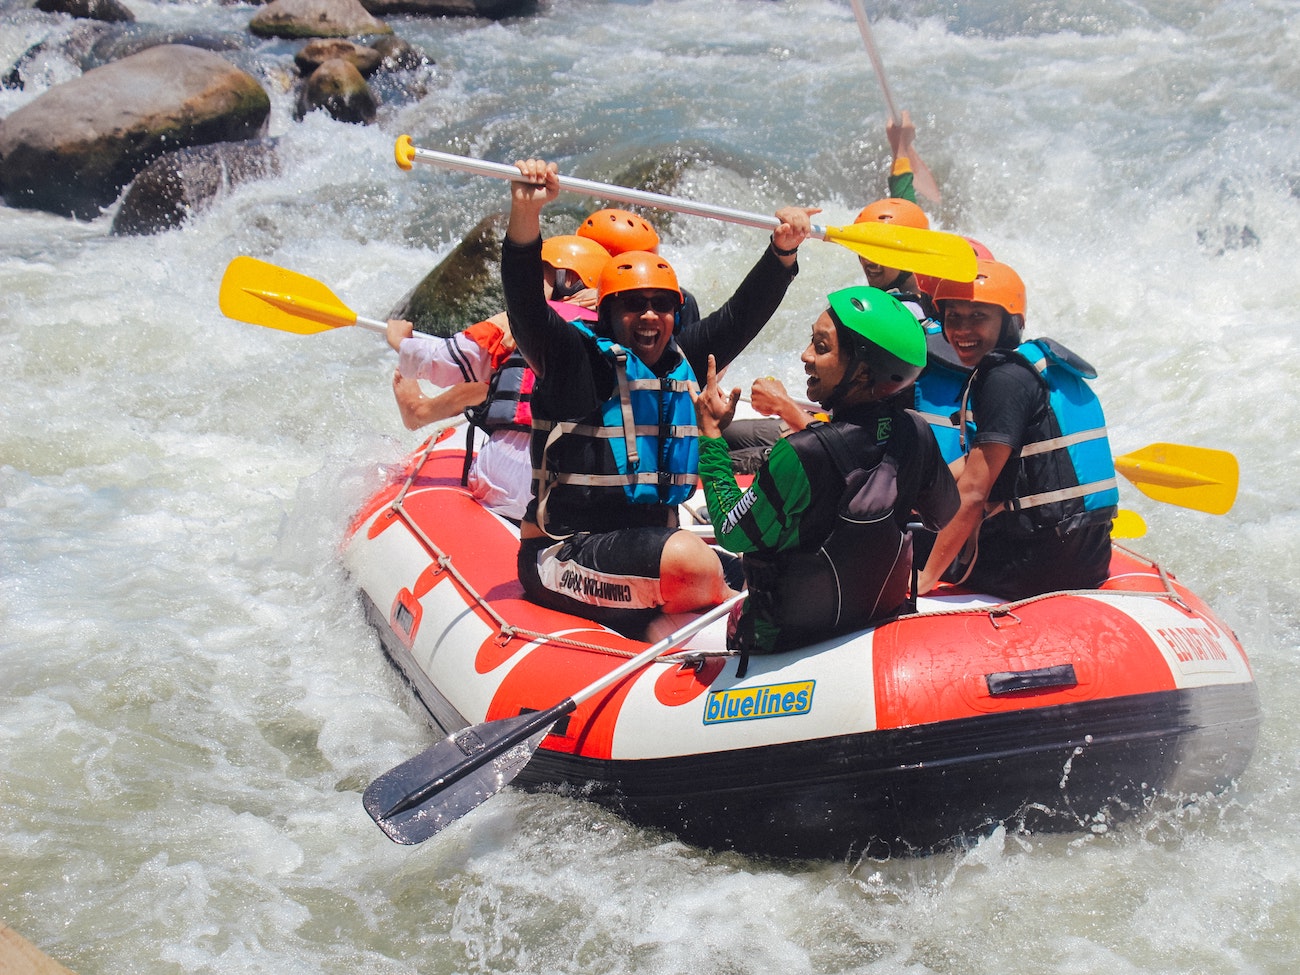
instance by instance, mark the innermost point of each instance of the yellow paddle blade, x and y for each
(262, 294)
(929, 252)
(1191, 477)
(1128, 524)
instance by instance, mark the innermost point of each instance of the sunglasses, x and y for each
(567, 284)
(661, 304)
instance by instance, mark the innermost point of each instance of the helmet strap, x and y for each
(1013, 329)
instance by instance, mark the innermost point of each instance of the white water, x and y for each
(191, 703)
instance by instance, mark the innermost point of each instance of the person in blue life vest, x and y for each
(823, 528)
(484, 377)
(614, 446)
(1037, 483)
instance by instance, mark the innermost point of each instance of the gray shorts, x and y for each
(609, 577)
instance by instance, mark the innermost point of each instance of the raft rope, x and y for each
(507, 631)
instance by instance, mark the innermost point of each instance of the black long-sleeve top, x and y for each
(573, 378)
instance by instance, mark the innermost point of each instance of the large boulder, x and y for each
(71, 150)
(494, 9)
(465, 287)
(315, 18)
(181, 183)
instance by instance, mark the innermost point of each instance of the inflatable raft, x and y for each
(1066, 711)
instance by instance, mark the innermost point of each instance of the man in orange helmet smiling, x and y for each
(614, 445)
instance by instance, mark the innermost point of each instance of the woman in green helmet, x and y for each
(823, 528)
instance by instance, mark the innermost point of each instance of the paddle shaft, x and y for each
(925, 183)
(604, 191)
(543, 719)
(869, 39)
(305, 307)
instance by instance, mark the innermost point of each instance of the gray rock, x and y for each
(119, 44)
(106, 10)
(315, 18)
(71, 150)
(187, 181)
(465, 287)
(405, 73)
(74, 47)
(399, 55)
(315, 53)
(93, 44)
(494, 9)
(338, 88)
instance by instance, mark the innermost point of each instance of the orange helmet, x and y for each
(581, 255)
(633, 270)
(995, 284)
(891, 209)
(927, 283)
(620, 230)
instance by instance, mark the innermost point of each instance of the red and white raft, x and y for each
(1061, 712)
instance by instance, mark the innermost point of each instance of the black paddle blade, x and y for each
(415, 800)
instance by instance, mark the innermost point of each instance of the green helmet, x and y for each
(885, 335)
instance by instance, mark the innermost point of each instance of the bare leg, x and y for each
(690, 575)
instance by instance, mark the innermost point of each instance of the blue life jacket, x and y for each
(1066, 477)
(638, 447)
(937, 393)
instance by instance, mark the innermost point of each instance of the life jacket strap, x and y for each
(1062, 443)
(625, 401)
(606, 433)
(938, 419)
(1048, 497)
(652, 478)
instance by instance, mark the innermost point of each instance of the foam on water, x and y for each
(191, 702)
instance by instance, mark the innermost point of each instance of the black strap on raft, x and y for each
(745, 640)
(469, 446)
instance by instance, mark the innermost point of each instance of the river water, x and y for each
(191, 702)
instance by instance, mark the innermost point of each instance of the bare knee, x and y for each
(690, 574)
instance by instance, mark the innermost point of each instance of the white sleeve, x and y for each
(444, 362)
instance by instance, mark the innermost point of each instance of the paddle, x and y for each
(262, 294)
(415, 800)
(18, 956)
(1128, 524)
(258, 293)
(930, 252)
(1190, 477)
(921, 176)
